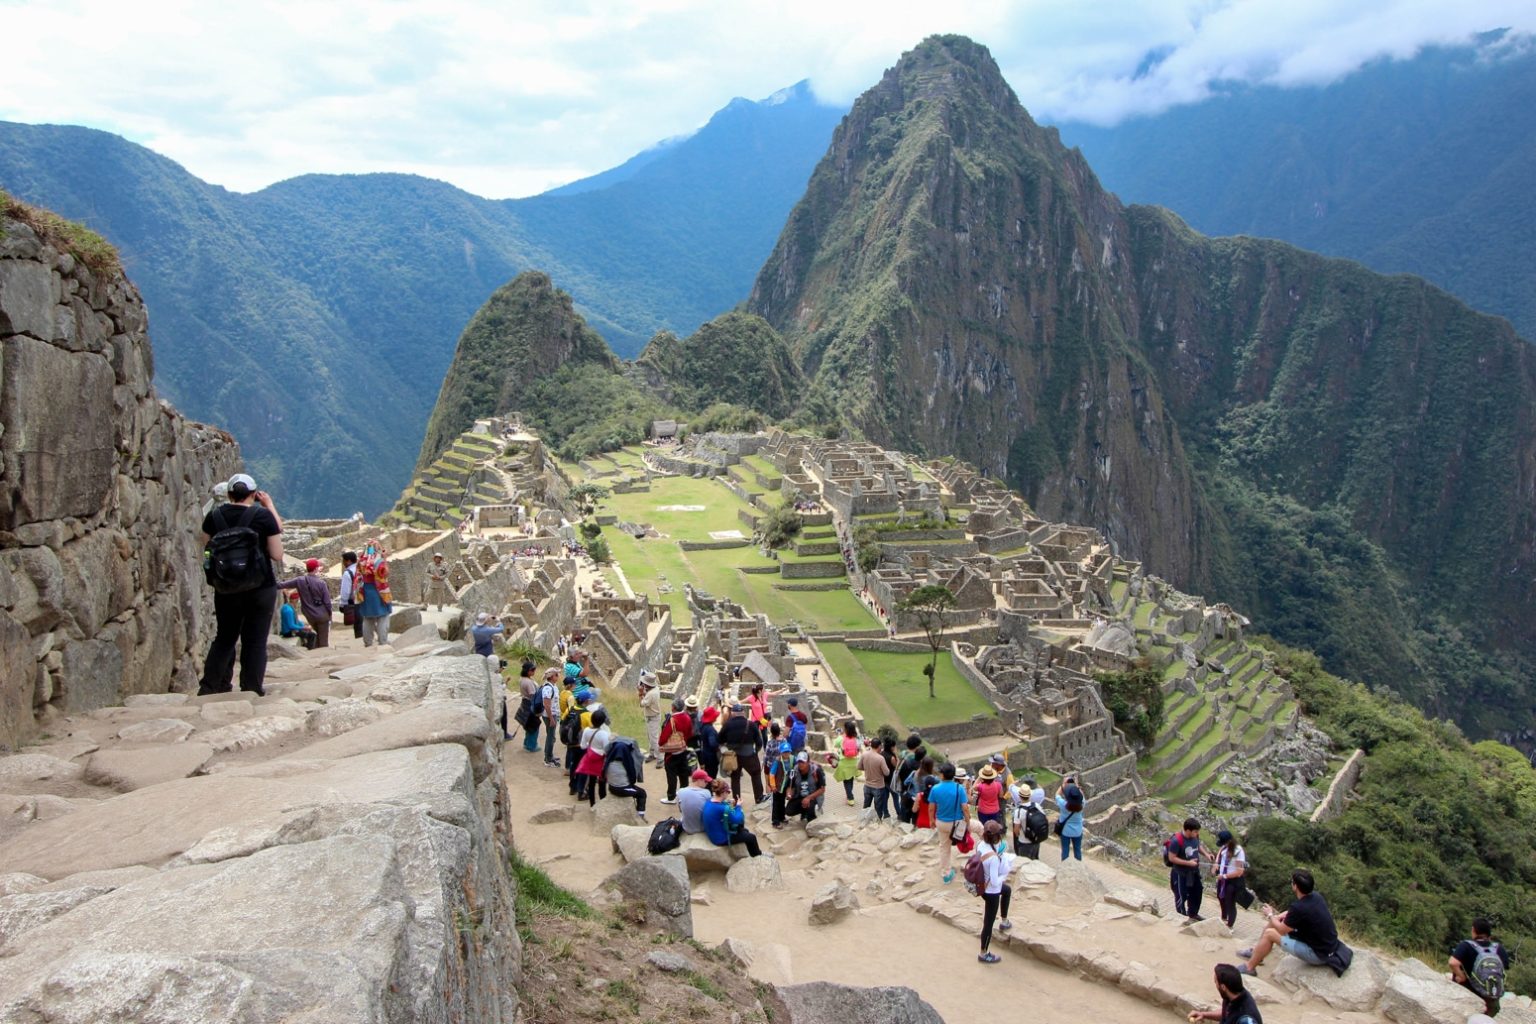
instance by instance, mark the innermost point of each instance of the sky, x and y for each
(510, 99)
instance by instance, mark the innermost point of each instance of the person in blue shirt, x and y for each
(1069, 815)
(485, 630)
(724, 822)
(291, 626)
(951, 815)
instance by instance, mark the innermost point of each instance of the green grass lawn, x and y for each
(648, 562)
(891, 688)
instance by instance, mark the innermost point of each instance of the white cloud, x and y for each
(510, 99)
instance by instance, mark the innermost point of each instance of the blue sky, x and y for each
(510, 99)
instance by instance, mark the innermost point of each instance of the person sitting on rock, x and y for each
(291, 626)
(724, 822)
(1306, 931)
(314, 600)
(623, 770)
(1237, 1005)
(1479, 964)
(807, 785)
(691, 801)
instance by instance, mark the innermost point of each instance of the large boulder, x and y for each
(832, 903)
(765, 961)
(1077, 885)
(703, 855)
(655, 893)
(755, 874)
(126, 770)
(1415, 994)
(630, 842)
(616, 810)
(821, 1001)
(1131, 898)
(338, 716)
(1357, 989)
(1033, 872)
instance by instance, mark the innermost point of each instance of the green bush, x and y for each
(781, 526)
(1135, 698)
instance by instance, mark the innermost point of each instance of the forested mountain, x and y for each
(316, 318)
(1349, 456)
(1422, 165)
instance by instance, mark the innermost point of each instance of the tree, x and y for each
(1135, 698)
(929, 604)
(588, 530)
(598, 550)
(780, 526)
(586, 497)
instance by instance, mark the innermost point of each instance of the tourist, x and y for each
(1237, 1005)
(220, 497)
(741, 739)
(650, 709)
(484, 632)
(594, 750)
(952, 817)
(757, 704)
(922, 809)
(289, 625)
(677, 759)
(531, 711)
(1183, 855)
(623, 771)
(571, 727)
(691, 706)
(243, 617)
(1030, 825)
(903, 785)
(994, 890)
(1479, 964)
(314, 601)
(848, 759)
(795, 725)
(724, 822)
(807, 786)
(1069, 817)
(437, 591)
(351, 594)
(709, 741)
(376, 605)
(1306, 931)
(691, 800)
(549, 709)
(877, 779)
(987, 795)
(1231, 866)
(779, 772)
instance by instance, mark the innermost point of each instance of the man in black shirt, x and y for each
(1305, 931)
(1464, 960)
(246, 617)
(1184, 855)
(1237, 1006)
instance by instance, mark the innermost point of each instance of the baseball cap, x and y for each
(312, 564)
(793, 702)
(802, 756)
(243, 479)
(481, 618)
(785, 748)
(699, 774)
(1223, 837)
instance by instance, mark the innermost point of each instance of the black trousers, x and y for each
(1227, 896)
(678, 770)
(245, 619)
(750, 764)
(992, 902)
(634, 791)
(743, 836)
(804, 809)
(1192, 889)
(572, 759)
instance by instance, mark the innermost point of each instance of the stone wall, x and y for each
(101, 494)
(1340, 788)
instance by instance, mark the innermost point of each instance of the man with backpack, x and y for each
(1030, 825)
(1182, 853)
(1478, 964)
(242, 541)
(1306, 931)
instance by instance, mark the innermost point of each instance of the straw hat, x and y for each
(987, 773)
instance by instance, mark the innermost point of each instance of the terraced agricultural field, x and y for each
(891, 688)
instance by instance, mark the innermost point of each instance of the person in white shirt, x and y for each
(1231, 865)
(995, 890)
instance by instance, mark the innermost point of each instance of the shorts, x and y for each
(1301, 951)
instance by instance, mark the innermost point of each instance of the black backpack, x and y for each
(570, 727)
(1036, 825)
(233, 561)
(666, 836)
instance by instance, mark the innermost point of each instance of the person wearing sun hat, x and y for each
(987, 794)
(314, 600)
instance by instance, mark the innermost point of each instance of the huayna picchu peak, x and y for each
(1352, 455)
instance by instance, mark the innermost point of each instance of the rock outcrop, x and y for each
(101, 489)
(359, 877)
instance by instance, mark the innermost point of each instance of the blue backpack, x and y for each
(797, 736)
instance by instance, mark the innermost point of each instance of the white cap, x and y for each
(243, 478)
(221, 489)
(481, 618)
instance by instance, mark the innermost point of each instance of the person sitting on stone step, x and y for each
(691, 800)
(724, 822)
(1237, 1005)
(1306, 931)
(291, 626)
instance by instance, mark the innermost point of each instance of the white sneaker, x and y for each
(666, 801)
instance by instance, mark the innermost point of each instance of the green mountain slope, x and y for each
(1349, 456)
(737, 358)
(1421, 165)
(315, 318)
